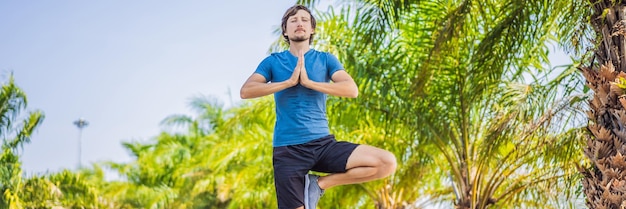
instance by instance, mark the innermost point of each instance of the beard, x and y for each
(299, 38)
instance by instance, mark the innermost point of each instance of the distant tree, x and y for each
(63, 189)
(15, 130)
(174, 170)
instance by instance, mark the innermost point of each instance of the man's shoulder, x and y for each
(273, 57)
(278, 54)
(320, 52)
(325, 54)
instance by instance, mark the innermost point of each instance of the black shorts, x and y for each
(293, 162)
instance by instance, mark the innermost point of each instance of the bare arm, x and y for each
(257, 86)
(343, 85)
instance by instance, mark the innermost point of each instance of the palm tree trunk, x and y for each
(604, 182)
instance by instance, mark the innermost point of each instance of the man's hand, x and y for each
(342, 84)
(295, 76)
(304, 78)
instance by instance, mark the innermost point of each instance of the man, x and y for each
(300, 79)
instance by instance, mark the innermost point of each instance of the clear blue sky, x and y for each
(124, 66)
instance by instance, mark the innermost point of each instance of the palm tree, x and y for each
(211, 114)
(459, 89)
(15, 132)
(241, 157)
(605, 179)
(65, 189)
(178, 168)
(164, 174)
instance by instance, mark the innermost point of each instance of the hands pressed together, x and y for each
(299, 75)
(342, 84)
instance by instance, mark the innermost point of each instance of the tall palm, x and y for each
(453, 77)
(605, 179)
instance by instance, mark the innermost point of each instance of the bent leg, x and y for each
(366, 163)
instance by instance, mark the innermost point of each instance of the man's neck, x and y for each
(295, 47)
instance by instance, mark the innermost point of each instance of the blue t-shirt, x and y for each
(300, 111)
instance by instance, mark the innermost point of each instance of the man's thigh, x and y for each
(333, 155)
(366, 155)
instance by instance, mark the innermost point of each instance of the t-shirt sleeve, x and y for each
(265, 68)
(333, 64)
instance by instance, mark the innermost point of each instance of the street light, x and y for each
(80, 123)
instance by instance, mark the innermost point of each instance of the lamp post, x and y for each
(80, 123)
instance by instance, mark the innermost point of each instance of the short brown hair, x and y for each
(291, 12)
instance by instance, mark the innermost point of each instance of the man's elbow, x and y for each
(244, 94)
(354, 90)
(353, 94)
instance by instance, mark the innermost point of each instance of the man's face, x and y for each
(298, 27)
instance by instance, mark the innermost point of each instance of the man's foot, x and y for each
(312, 191)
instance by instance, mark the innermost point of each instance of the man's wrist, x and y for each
(307, 83)
(289, 83)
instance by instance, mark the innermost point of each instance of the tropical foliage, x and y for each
(461, 92)
(65, 188)
(15, 131)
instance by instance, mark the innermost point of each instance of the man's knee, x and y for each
(388, 163)
(383, 161)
